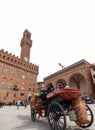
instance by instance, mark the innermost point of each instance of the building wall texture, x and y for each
(17, 75)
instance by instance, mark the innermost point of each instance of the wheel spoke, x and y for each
(52, 122)
(59, 125)
(61, 122)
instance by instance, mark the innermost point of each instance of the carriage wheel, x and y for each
(56, 116)
(90, 117)
(33, 114)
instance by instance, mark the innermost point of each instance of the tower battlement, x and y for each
(11, 59)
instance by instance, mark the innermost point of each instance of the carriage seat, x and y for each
(43, 94)
(43, 97)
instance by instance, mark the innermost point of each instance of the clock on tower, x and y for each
(26, 44)
(26, 59)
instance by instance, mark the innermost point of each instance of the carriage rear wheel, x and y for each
(33, 114)
(90, 117)
(56, 116)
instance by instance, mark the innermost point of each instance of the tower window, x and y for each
(4, 56)
(18, 62)
(28, 36)
(5, 71)
(21, 94)
(14, 94)
(3, 85)
(7, 94)
(10, 86)
(12, 74)
(29, 89)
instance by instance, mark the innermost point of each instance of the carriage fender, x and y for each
(54, 93)
(50, 95)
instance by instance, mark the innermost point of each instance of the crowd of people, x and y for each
(20, 103)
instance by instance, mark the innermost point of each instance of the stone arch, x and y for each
(78, 81)
(61, 83)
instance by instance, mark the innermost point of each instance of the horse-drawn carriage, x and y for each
(58, 104)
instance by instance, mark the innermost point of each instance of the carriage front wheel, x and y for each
(56, 116)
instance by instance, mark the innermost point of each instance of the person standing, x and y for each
(25, 103)
(18, 104)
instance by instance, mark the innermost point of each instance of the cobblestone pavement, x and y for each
(12, 118)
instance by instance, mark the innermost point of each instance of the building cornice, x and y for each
(67, 68)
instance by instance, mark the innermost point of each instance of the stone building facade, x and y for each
(77, 75)
(17, 75)
(92, 68)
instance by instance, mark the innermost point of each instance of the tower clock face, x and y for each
(26, 59)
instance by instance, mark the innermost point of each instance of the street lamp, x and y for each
(61, 65)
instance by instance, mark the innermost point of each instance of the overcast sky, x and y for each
(63, 31)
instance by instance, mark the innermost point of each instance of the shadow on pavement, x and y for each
(27, 124)
(76, 128)
(39, 124)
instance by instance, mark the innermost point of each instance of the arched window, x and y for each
(3, 85)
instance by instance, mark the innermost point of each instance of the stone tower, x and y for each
(26, 44)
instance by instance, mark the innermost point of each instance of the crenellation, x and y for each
(15, 60)
(7, 52)
(2, 50)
